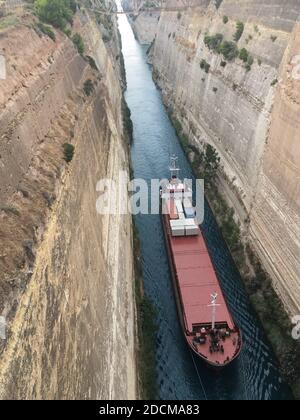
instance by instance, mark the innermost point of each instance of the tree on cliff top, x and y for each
(56, 12)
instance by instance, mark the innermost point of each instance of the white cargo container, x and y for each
(177, 223)
(178, 231)
(181, 216)
(190, 222)
(179, 206)
(192, 230)
(187, 203)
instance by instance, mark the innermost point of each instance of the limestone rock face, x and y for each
(246, 115)
(66, 285)
(144, 24)
(145, 27)
(275, 218)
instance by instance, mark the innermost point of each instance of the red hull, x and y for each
(194, 280)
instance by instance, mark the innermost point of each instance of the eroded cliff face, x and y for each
(66, 286)
(275, 215)
(144, 24)
(249, 118)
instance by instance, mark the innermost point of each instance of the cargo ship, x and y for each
(206, 321)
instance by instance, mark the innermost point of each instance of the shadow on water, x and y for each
(254, 375)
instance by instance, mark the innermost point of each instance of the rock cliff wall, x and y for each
(144, 24)
(66, 285)
(245, 114)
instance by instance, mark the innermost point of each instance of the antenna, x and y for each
(214, 306)
(173, 167)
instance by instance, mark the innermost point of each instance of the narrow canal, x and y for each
(179, 376)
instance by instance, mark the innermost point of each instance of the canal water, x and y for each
(254, 376)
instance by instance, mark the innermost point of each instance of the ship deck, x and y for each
(197, 280)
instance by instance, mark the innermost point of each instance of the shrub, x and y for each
(239, 31)
(244, 55)
(205, 66)
(179, 15)
(225, 19)
(215, 90)
(274, 83)
(56, 12)
(68, 152)
(10, 210)
(229, 50)
(273, 38)
(107, 38)
(213, 42)
(46, 30)
(92, 62)
(88, 87)
(250, 60)
(68, 32)
(223, 64)
(78, 42)
(178, 126)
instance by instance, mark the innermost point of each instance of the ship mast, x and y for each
(173, 167)
(214, 306)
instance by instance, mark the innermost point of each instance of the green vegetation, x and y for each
(247, 58)
(273, 38)
(213, 42)
(239, 31)
(249, 63)
(215, 90)
(46, 30)
(78, 42)
(58, 13)
(179, 15)
(107, 23)
(274, 83)
(244, 55)
(68, 32)
(8, 21)
(10, 210)
(127, 121)
(92, 63)
(107, 38)
(229, 50)
(88, 87)
(69, 150)
(146, 325)
(250, 37)
(205, 66)
(225, 19)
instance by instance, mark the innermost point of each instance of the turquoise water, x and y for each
(179, 375)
